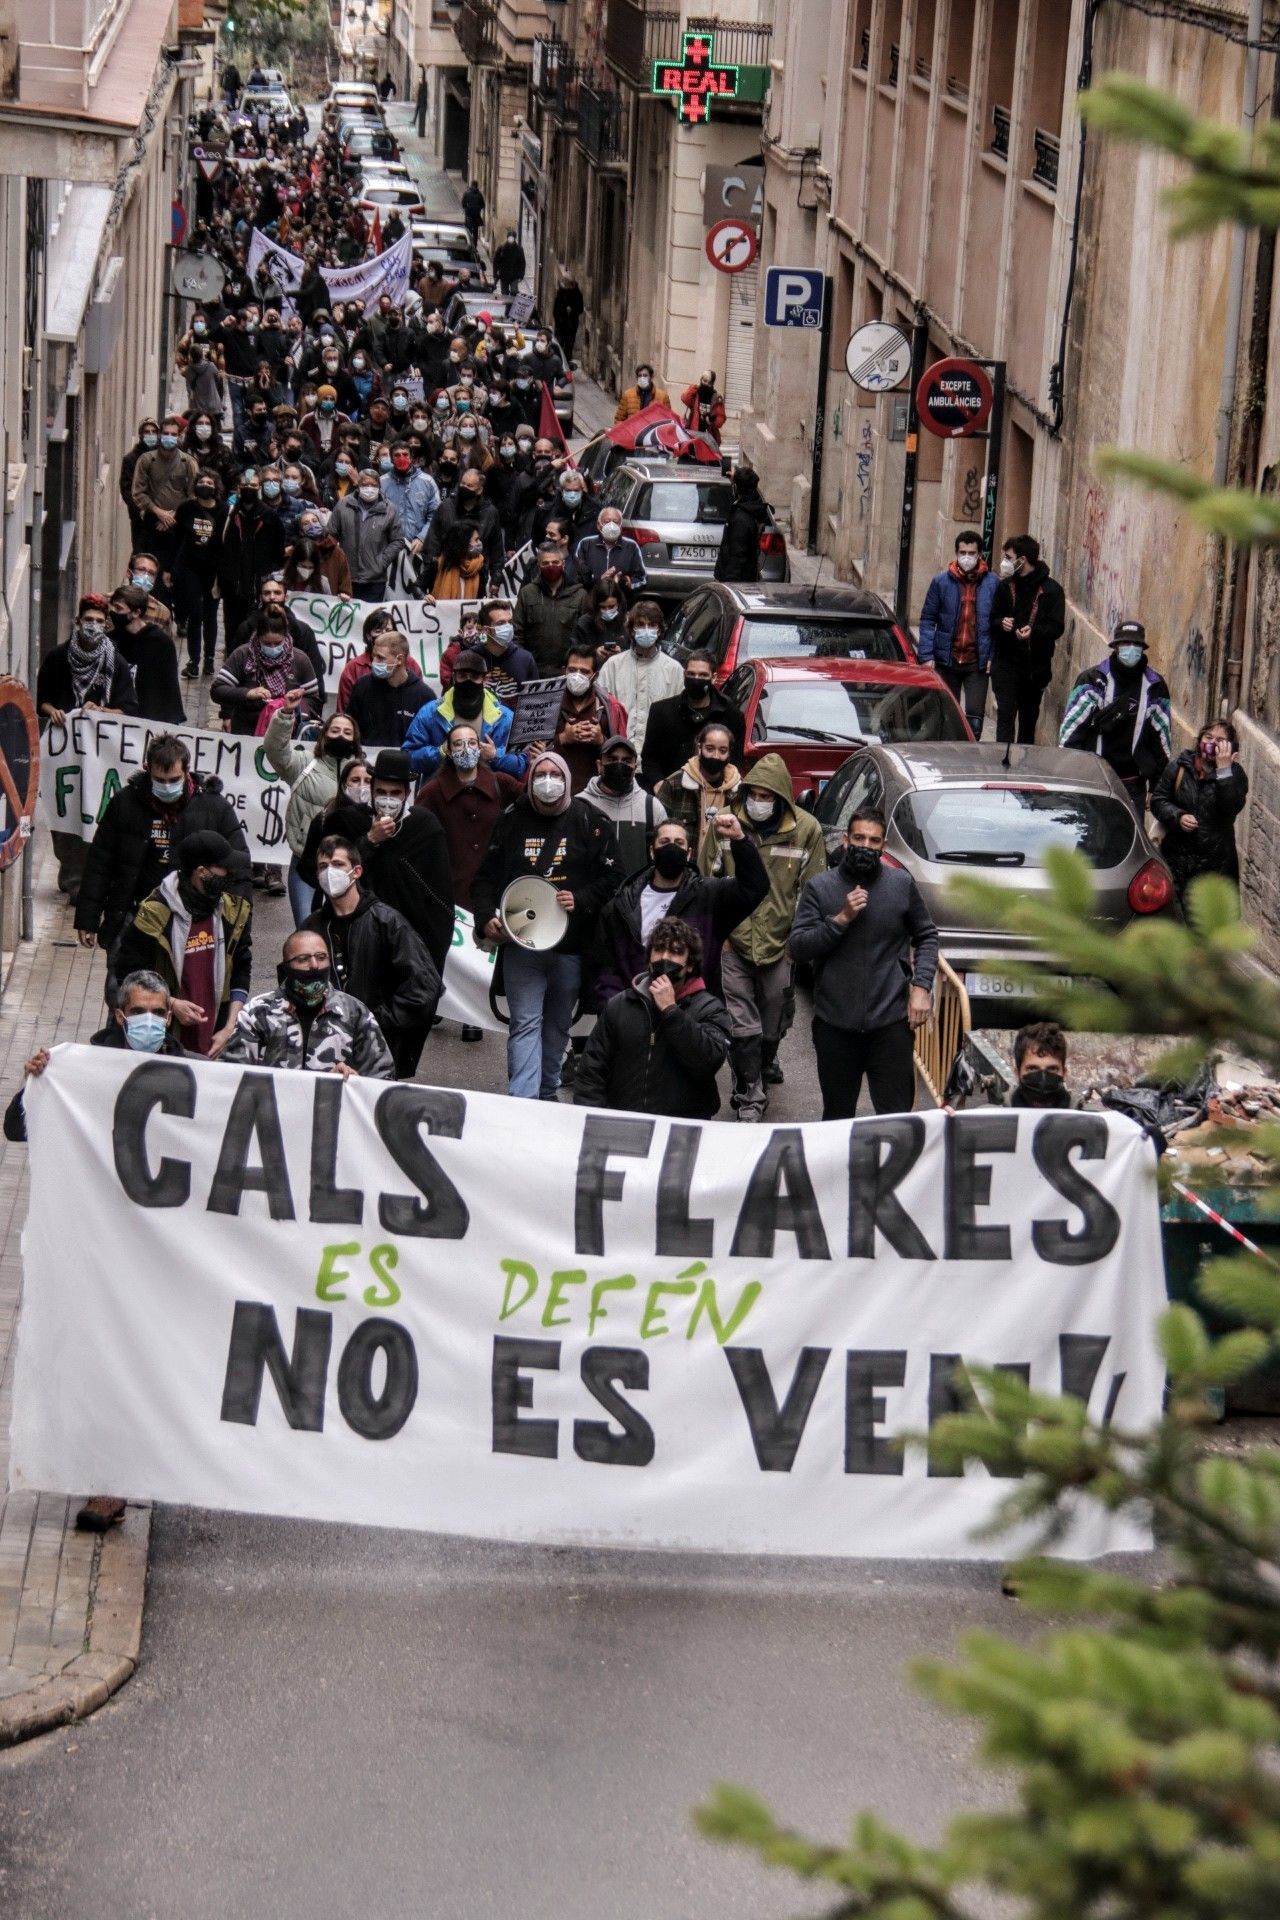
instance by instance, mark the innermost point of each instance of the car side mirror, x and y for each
(808, 799)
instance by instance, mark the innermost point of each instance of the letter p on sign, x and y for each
(793, 297)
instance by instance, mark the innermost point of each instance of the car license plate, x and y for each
(694, 554)
(1002, 986)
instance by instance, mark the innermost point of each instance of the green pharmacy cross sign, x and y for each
(695, 79)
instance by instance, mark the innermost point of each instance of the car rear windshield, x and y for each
(707, 501)
(1012, 826)
(832, 639)
(845, 712)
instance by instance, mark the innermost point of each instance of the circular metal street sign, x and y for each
(878, 357)
(19, 768)
(198, 276)
(732, 245)
(954, 399)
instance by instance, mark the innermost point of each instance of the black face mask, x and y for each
(200, 900)
(712, 771)
(120, 621)
(671, 860)
(666, 970)
(861, 863)
(1041, 1087)
(696, 690)
(617, 777)
(303, 989)
(468, 698)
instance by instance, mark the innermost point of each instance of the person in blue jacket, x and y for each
(955, 627)
(470, 700)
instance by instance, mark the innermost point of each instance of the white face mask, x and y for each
(1008, 568)
(610, 532)
(368, 495)
(361, 792)
(966, 562)
(548, 787)
(334, 881)
(389, 806)
(577, 682)
(758, 809)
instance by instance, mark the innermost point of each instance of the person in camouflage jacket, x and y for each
(307, 1023)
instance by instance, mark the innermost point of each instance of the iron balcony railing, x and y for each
(477, 31)
(1046, 166)
(602, 125)
(636, 36)
(555, 75)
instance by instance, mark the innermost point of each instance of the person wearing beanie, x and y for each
(194, 932)
(562, 840)
(467, 699)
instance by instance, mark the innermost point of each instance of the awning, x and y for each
(73, 260)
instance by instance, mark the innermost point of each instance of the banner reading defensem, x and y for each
(319, 1300)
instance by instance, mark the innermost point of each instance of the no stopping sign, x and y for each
(954, 399)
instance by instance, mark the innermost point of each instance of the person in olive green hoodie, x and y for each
(755, 967)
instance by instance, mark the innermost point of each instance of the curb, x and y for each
(114, 1638)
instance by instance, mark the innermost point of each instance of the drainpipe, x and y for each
(39, 423)
(1235, 282)
(1246, 474)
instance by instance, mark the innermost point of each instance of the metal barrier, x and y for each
(940, 1039)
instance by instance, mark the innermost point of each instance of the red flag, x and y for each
(549, 427)
(376, 231)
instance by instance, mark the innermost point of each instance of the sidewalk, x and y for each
(70, 1603)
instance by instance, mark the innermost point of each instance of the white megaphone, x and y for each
(531, 915)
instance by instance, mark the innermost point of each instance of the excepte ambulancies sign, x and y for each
(324, 1300)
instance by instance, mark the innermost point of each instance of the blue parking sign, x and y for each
(793, 297)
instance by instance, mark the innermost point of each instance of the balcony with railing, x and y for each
(637, 35)
(602, 125)
(477, 31)
(555, 76)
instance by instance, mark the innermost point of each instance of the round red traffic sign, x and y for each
(732, 245)
(954, 399)
(19, 768)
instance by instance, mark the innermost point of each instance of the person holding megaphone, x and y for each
(549, 836)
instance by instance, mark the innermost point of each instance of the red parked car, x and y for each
(815, 713)
(784, 621)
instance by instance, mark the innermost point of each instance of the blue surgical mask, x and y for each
(571, 498)
(169, 790)
(380, 669)
(271, 489)
(1129, 656)
(609, 613)
(144, 580)
(504, 633)
(168, 439)
(145, 1032)
(272, 653)
(293, 486)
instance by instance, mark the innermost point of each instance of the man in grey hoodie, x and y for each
(614, 792)
(874, 950)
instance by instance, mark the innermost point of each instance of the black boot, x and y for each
(748, 1099)
(770, 1071)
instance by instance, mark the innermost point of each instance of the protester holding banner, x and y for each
(572, 846)
(140, 834)
(141, 1022)
(658, 1046)
(670, 887)
(375, 954)
(149, 653)
(869, 936)
(306, 1024)
(86, 670)
(195, 933)
(255, 680)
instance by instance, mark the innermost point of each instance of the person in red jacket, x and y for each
(587, 717)
(703, 407)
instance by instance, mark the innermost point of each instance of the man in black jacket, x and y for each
(658, 1046)
(468, 507)
(1028, 618)
(671, 887)
(405, 856)
(377, 957)
(739, 555)
(137, 839)
(675, 723)
(874, 950)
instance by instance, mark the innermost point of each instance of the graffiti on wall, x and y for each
(1102, 578)
(971, 494)
(863, 469)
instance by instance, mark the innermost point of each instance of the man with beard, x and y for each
(675, 723)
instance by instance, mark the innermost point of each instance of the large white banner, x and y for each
(368, 280)
(406, 1306)
(339, 629)
(86, 759)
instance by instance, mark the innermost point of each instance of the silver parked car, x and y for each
(959, 808)
(676, 515)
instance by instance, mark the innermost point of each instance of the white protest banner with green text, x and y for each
(417, 1307)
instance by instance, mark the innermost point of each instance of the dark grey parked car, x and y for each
(957, 808)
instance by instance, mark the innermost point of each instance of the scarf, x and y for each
(271, 674)
(92, 668)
